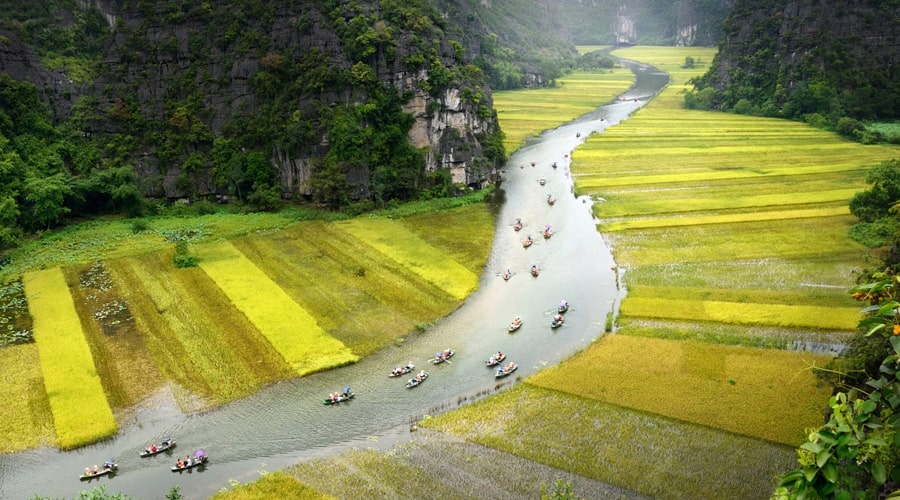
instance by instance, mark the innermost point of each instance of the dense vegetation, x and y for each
(832, 64)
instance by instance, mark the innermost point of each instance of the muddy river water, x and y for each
(287, 423)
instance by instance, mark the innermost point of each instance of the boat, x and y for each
(155, 449)
(507, 275)
(554, 165)
(550, 199)
(518, 225)
(339, 397)
(562, 307)
(495, 360)
(557, 321)
(443, 356)
(506, 370)
(528, 241)
(535, 271)
(402, 370)
(542, 181)
(109, 468)
(547, 233)
(414, 382)
(200, 458)
(515, 325)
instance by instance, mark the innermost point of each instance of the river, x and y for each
(287, 423)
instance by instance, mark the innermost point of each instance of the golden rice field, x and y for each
(273, 485)
(81, 414)
(300, 341)
(527, 113)
(199, 333)
(635, 450)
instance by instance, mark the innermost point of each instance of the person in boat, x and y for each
(558, 318)
(564, 304)
(534, 269)
(87, 471)
(179, 463)
(108, 465)
(446, 353)
(152, 448)
(410, 365)
(96, 469)
(167, 442)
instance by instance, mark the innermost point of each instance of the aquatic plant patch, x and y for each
(25, 417)
(81, 413)
(398, 243)
(646, 453)
(15, 322)
(303, 344)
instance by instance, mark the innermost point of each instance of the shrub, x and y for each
(183, 257)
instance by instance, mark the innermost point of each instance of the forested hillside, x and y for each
(816, 60)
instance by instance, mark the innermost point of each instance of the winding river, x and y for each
(287, 423)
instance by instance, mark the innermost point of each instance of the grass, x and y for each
(527, 113)
(274, 485)
(303, 344)
(775, 396)
(80, 410)
(643, 452)
(405, 247)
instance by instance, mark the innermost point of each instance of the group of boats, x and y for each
(110, 467)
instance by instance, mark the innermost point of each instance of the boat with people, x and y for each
(557, 321)
(547, 232)
(154, 449)
(445, 355)
(402, 370)
(339, 397)
(517, 225)
(528, 241)
(200, 458)
(562, 307)
(109, 468)
(555, 165)
(507, 275)
(418, 379)
(495, 359)
(535, 271)
(550, 199)
(506, 370)
(542, 181)
(516, 324)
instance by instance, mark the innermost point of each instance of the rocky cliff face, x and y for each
(792, 57)
(199, 71)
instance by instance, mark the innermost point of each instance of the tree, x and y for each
(46, 197)
(880, 198)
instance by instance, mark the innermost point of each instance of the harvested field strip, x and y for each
(359, 296)
(81, 414)
(274, 485)
(117, 345)
(727, 334)
(791, 316)
(196, 336)
(527, 113)
(649, 206)
(437, 465)
(303, 344)
(767, 394)
(398, 243)
(25, 417)
(642, 452)
(696, 220)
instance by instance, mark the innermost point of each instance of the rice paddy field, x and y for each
(94, 318)
(527, 113)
